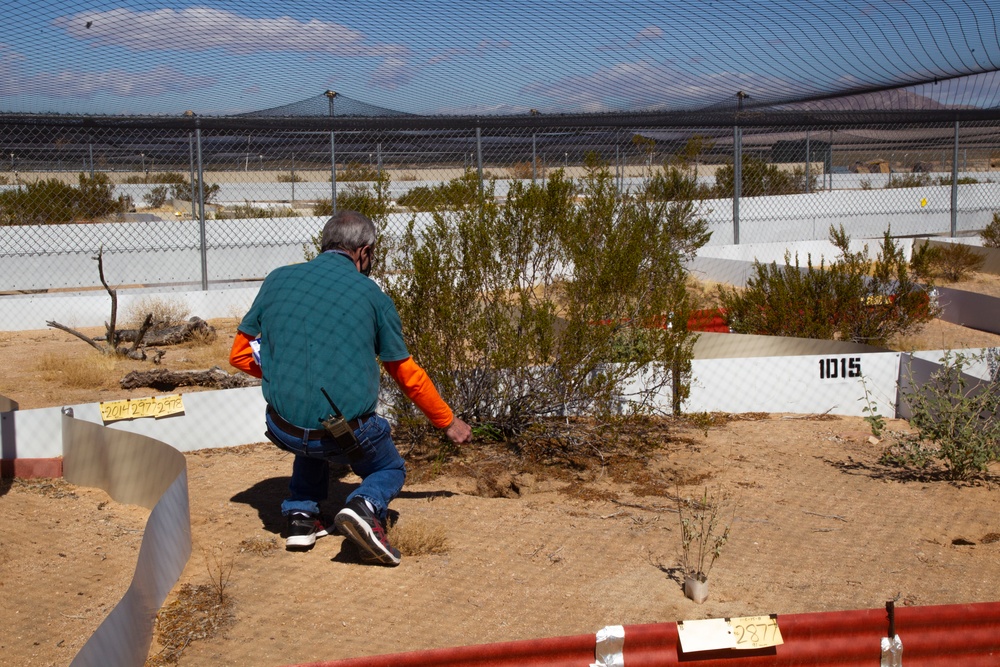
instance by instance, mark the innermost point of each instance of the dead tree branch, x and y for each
(87, 339)
(167, 380)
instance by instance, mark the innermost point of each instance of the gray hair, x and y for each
(347, 230)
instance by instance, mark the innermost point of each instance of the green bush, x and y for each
(525, 309)
(51, 201)
(853, 298)
(457, 193)
(673, 184)
(955, 261)
(291, 177)
(420, 198)
(962, 180)
(356, 171)
(164, 178)
(758, 178)
(372, 200)
(991, 235)
(908, 181)
(182, 190)
(956, 418)
(248, 210)
(156, 197)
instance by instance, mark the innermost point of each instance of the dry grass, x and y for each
(200, 353)
(414, 537)
(89, 370)
(258, 546)
(55, 487)
(166, 312)
(196, 613)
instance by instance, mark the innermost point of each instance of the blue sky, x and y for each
(446, 56)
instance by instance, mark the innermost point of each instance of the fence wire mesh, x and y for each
(209, 207)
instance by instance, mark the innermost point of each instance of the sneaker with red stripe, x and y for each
(360, 525)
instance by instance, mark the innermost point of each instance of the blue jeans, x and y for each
(382, 470)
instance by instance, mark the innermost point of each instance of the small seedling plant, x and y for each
(702, 534)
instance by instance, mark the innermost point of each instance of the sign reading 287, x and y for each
(834, 368)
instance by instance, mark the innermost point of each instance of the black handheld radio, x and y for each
(337, 426)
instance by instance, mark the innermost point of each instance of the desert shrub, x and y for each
(908, 181)
(156, 197)
(372, 200)
(523, 170)
(955, 261)
(457, 193)
(248, 210)
(51, 201)
(956, 417)
(991, 235)
(163, 177)
(853, 298)
(517, 308)
(182, 190)
(758, 179)
(674, 184)
(962, 180)
(166, 312)
(356, 171)
(290, 177)
(420, 198)
(923, 259)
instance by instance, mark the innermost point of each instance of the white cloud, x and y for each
(647, 85)
(393, 73)
(648, 33)
(83, 84)
(493, 44)
(203, 29)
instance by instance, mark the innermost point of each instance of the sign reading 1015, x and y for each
(834, 368)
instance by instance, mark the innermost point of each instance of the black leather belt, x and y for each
(314, 433)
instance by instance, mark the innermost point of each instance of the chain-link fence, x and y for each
(177, 206)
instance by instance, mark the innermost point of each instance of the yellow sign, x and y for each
(923, 202)
(713, 634)
(756, 631)
(137, 408)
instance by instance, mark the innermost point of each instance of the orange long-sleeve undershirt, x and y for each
(417, 386)
(410, 377)
(241, 356)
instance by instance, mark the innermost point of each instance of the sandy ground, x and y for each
(525, 549)
(818, 525)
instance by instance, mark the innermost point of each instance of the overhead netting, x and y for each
(455, 58)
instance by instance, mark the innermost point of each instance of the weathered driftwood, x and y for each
(194, 327)
(133, 352)
(165, 380)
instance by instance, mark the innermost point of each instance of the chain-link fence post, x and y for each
(954, 185)
(479, 155)
(333, 156)
(201, 208)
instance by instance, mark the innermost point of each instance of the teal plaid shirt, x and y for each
(323, 325)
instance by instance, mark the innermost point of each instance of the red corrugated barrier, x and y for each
(966, 635)
(710, 319)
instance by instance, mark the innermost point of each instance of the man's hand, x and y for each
(459, 431)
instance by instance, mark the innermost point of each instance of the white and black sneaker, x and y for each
(358, 523)
(303, 529)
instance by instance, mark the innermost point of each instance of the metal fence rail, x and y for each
(201, 207)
